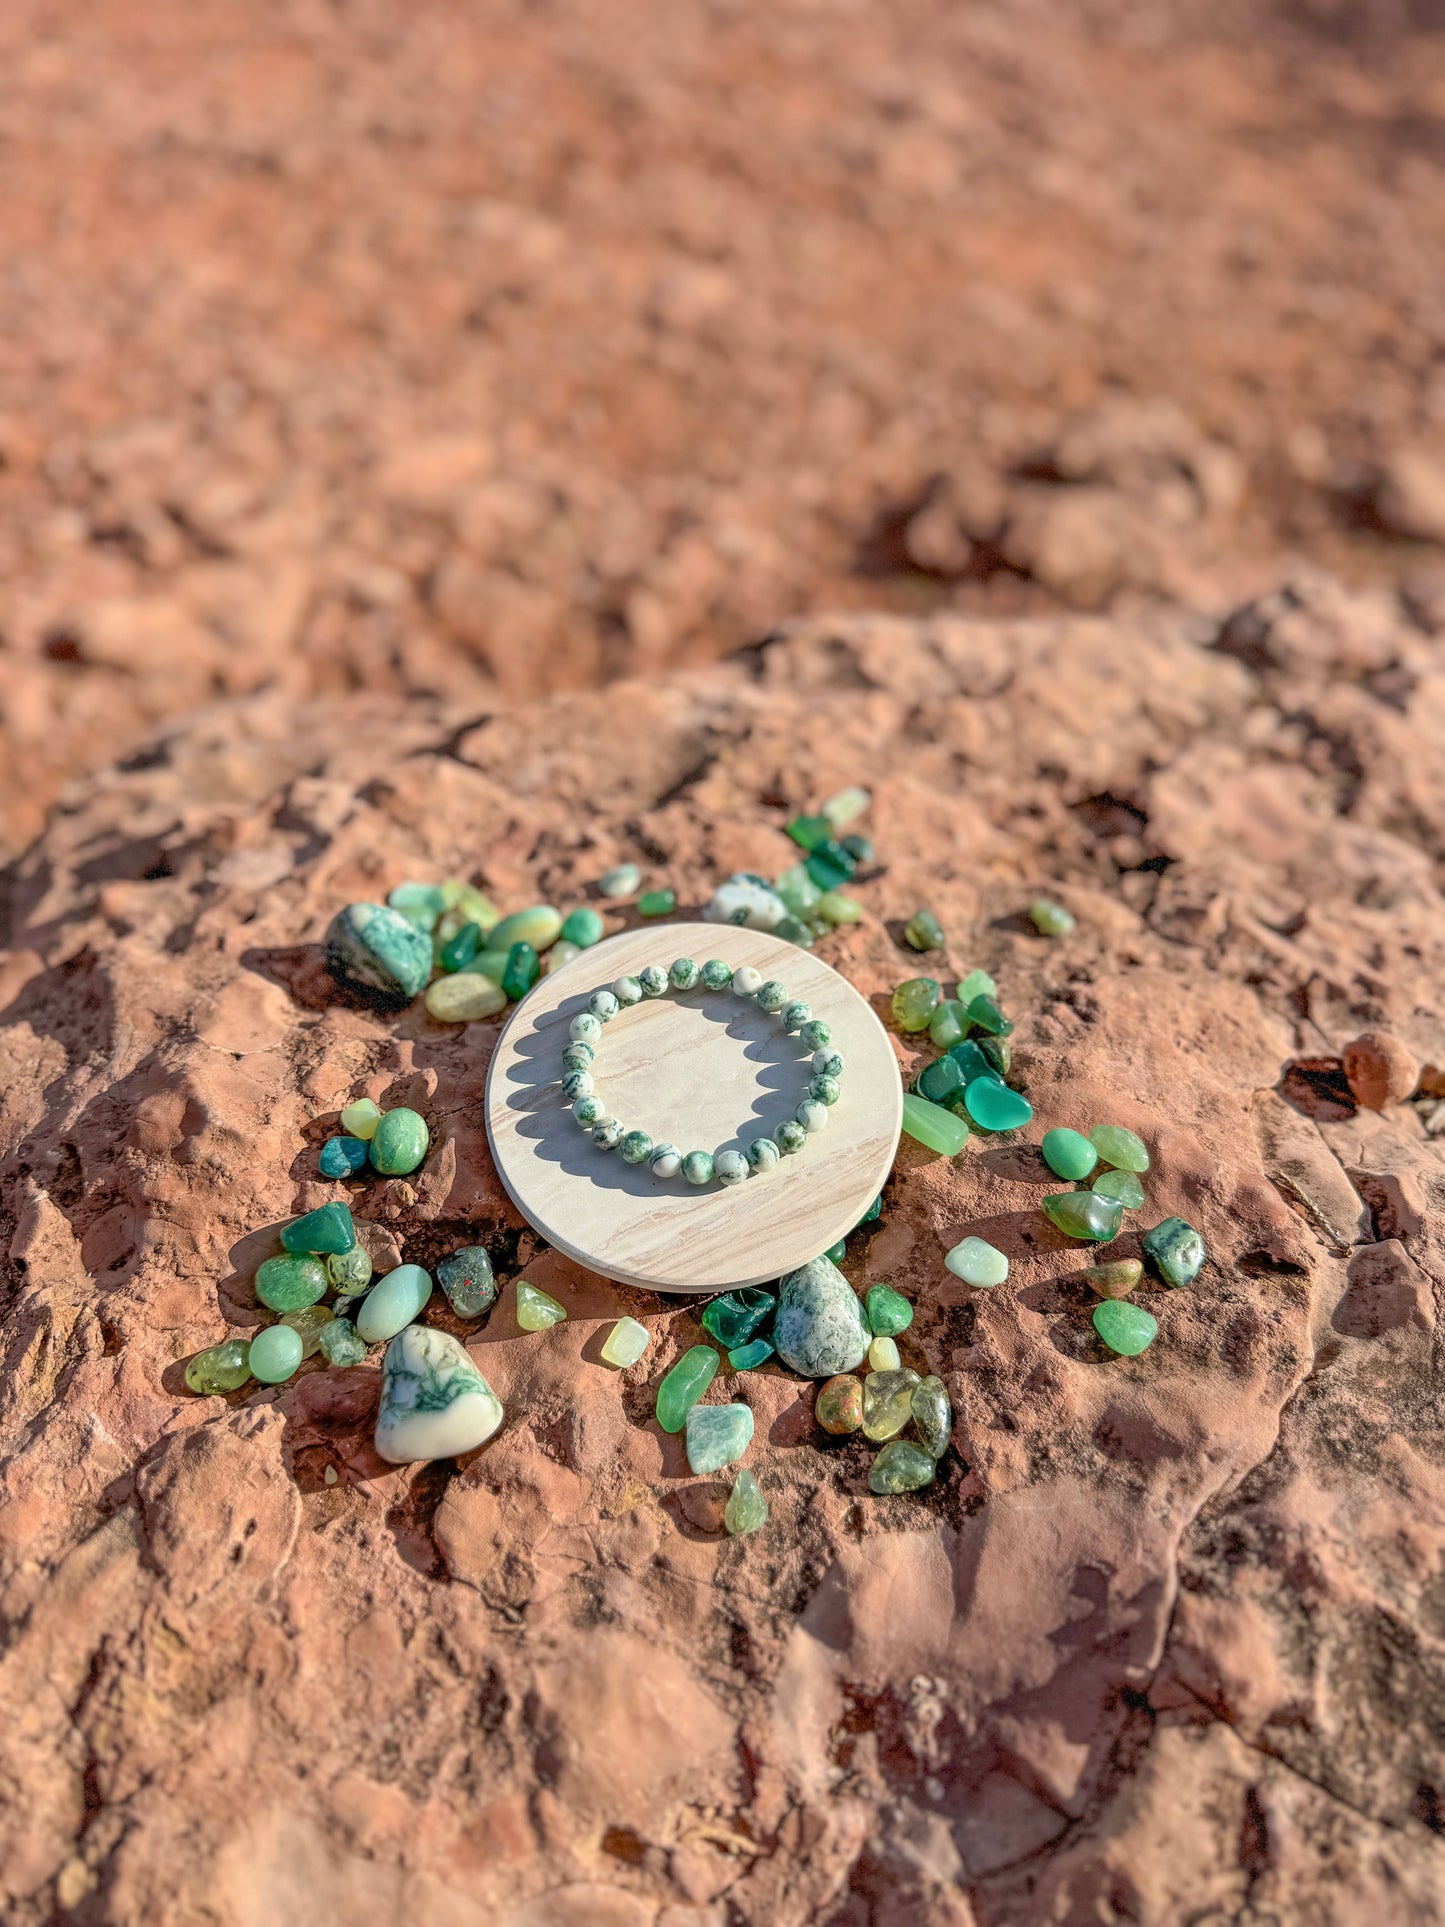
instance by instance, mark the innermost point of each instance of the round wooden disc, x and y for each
(702, 1070)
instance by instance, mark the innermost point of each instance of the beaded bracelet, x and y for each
(665, 1160)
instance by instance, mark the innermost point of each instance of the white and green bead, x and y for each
(772, 996)
(653, 980)
(628, 991)
(579, 1084)
(636, 1147)
(729, 1167)
(683, 974)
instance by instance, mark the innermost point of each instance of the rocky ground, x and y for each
(1167, 1639)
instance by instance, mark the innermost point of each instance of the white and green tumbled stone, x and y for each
(607, 1133)
(812, 1114)
(978, 1262)
(772, 996)
(635, 1148)
(577, 1084)
(745, 902)
(815, 1034)
(683, 973)
(435, 1404)
(653, 980)
(697, 1167)
(790, 1136)
(392, 1303)
(603, 1006)
(341, 1343)
(793, 1016)
(589, 1111)
(348, 1272)
(584, 1028)
(620, 881)
(828, 1062)
(627, 991)
(664, 1160)
(716, 975)
(763, 1154)
(827, 1090)
(729, 1167)
(818, 1328)
(717, 1435)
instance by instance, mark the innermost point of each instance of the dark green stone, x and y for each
(835, 1254)
(997, 1051)
(328, 1228)
(873, 1213)
(747, 1358)
(457, 952)
(949, 1024)
(291, 1283)
(1122, 1185)
(829, 865)
(901, 1466)
(468, 1281)
(971, 1061)
(341, 1157)
(888, 1311)
(942, 1082)
(984, 1012)
(858, 847)
(1175, 1250)
(1083, 1215)
(809, 831)
(373, 948)
(1124, 1328)
(733, 1318)
(523, 969)
(994, 1107)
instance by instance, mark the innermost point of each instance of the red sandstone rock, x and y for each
(1381, 1069)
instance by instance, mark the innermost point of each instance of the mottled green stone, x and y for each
(858, 847)
(1115, 1280)
(923, 931)
(309, 1323)
(889, 1312)
(275, 1353)
(717, 1435)
(374, 948)
(579, 1055)
(1119, 1147)
(798, 893)
(839, 1405)
(1126, 1329)
(537, 927)
(933, 1416)
(537, 1310)
(901, 1466)
(520, 971)
(1050, 919)
(635, 1148)
(583, 926)
(773, 997)
(434, 1403)
(829, 865)
(657, 903)
(746, 1508)
(468, 1280)
(684, 1385)
(847, 805)
(949, 1024)
(914, 1003)
(994, 1107)
(697, 1167)
(1068, 1154)
(1175, 1250)
(653, 979)
(328, 1228)
(977, 983)
(458, 951)
(736, 1316)
(747, 1358)
(349, 1272)
(400, 1142)
(827, 1090)
(288, 1284)
(984, 1012)
(341, 1157)
(818, 1329)
(790, 1136)
(795, 1015)
(419, 903)
(936, 1129)
(1122, 1185)
(887, 1402)
(1083, 1215)
(341, 1343)
(942, 1082)
(809, 831)
(223, 1368)
(763, 1154)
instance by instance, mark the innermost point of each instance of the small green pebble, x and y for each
(739, 1315)
(349, 1271)
(747, 1358)
(933, 1416)
(1122, 1185)
(1068, 1154)
(419, 903)
(288, 1284)
(942, 1082)
(984, 1012)
(621, 881)
(625, 1344)
(949, 1023)
(835, 1254)
(901, 1466)
(790, 930)
(977, 983)
(1082, 1214)
(930, 1125)
(829, 864)
(1050, 919)
(400, 1142)
(457, 952)
(684, 1385)
(978, 1263)
(858, 847)
(491, 964)
(914, 1003)
(309, 1323)
(994, 1107)
(223, 1368)
(746, 1508)
(848, 804)
(809, 831)
(873, 1213)
(1124, 1328)
(275, 1353)
(341, 1344)
(1175, 1250)
(883, 1355)
(394, 1302)
(465, 997)
(341, 1157)
(537, 927)
(888, 1311)
(537, 1310)
(328, 1228)
(361, 1118)
(797, 891)
(657, 903)
(1119, 1147)
(521, 971)
(923, 931)
(836, 909)
(584, 927)
(561, 953)
(717, 1435)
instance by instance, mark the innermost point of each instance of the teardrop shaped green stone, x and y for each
(1119, 1147)
(994, 1107)
(1124, 1328)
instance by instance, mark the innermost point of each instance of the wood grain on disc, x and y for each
(703, 1070)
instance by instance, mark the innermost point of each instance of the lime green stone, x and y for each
(288, 1284)
(1068, 1154)
(349, 1272)
(949, 1024)
(931, 1126)
(1175, 1250)
(308, 1324)
(625, 1344)
(584, 927)
(923, 931)
(419, 903)
(1083, 1215)
(746, 1508)
(1122, 1185)
(657, 903)
(537, 1310)
(457, 952)
(1124, 1328)
(399, 1143)
(464, 998)
(224, 1368)
(684, 1385)
(1050, 919)
(984, 1012)
(994, 1107)
(914, 1003)
(846, 806)
(977, 983)
(521, 971)
(883, 1355)
(539, 927)
(809, 831)
(887, 1402)
(328, 1228)
(888, 1311)
(467, 904)
(1119, 1147)
(835, 909)
(901, 1466)
(361, 1118)
(275, 1353)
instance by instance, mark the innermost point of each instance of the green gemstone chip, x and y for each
(1175, 1250)
(1119, 1147)
(1068, 1154)
(933, 1127)
(914, 1003)
(1124, 1328)
(1083, 1214)
(1122, 1185)
(684, 1385)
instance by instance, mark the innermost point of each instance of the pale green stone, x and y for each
(887, 1402)
(948, 1025)
(291, 1283)
(914, 1003)
(625, 1343)
(901, 1466)
(275, 1353)
(1124, 1328)
(308, 1324)
(716, 975)
(798, 890)
(697, 1167)
(539, 926)
(419, 903)
(399, 1142)
(435, 1404)
(815, 1035)
(464, 998)
(1122, 1185)
(1068, 1154)
(561, 953)
(932, 1126)
(664, 1160)
(933, 1416)
(341, 1343)
(978, 1262)
(578, 1056)
(836, 909)
(537, 1309)
(603, 1006)
(825, 1090)
(361, 1118)
(977, 983)
(812, 1115)
(818, 1329)
(653, 979)
(883, 1355)
(627, 991)
(620, 881)
(589, 1111)
(577, 1084)
(392, 1303)
(584, 1028)
(1119, 1147)
(846, 807)
(746, 902)
(828, 1062)
(746, 1508)
(684, 1385)
(1050, 919)
(717, 1435)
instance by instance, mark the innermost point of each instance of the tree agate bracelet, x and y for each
(665, 1160)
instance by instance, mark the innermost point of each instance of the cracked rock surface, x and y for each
(1166, 1639)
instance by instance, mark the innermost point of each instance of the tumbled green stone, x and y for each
(942, 1082)
(923, 931)
(309, 1323)
(697, 1167)
(521, 971)
(635, 1148)
(835, 1254)
(400, 1142)
(836, 909)
(537, 1310)
(997, 1053)
(846, 806)
(328, 1228)
(393, 1302)
(914, 1003)
(901, 1466)
(434, 1402)
(888, 1311)
(583, 926)
(561, 953)
(717, 1435)
(275, 1353)
(858, 847)
(625, 1343)
(222, 1368)
(818, 1329)
(1122, 1185)
(468, 1280)
(873, 1213)
(746, 1508)
(537, 927)
(349, 1271)
(887, 1402)
(791, 930)
(1068, 1154)
(419, 903)
(839, 1406)
(929, 1125)
(657, 903)
(747, 1358)
(736, 1316)
(1119, 1147)
(949, 1024)
(287, 1284)
(684, 1385)
(341, 1157)
(457, 952)
(620, 881)
(1126, 1329)
(465, 998)
(341, 1343)
(883, 1355)
(994, 1107)
(1175, 1250)
(809, 831)
(984, 1012)
(1115, 1280)
(797, 891)
(1050, 919)
(1083, 1215)
(491, 964)
(361, 1118)
(971, 1060)
(933, 1416)
(977, 983)
(374, 948)
(978, 1263)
